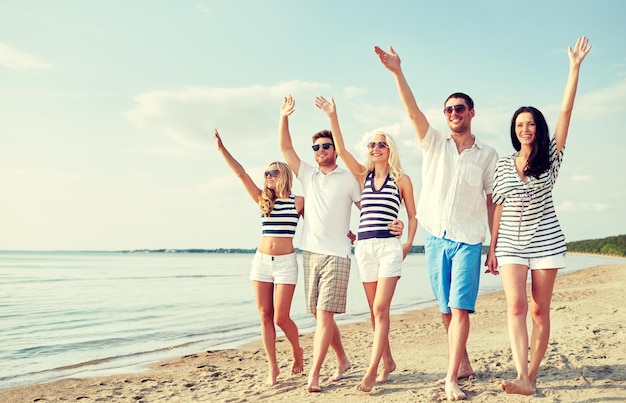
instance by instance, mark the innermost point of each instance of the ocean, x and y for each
(79, 314)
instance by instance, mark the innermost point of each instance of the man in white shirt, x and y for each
(329, 192)
(455, 209)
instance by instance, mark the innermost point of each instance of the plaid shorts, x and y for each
(325, 282)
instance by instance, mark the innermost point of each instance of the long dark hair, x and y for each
(539, 159)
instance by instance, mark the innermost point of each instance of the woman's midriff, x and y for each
(276, 246)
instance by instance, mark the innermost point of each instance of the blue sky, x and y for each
(108, 107)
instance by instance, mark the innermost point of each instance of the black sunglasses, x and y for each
(380, 144)
(325, 146)
(273, 173)
(457, 108)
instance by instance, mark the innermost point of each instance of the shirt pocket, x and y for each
(473, 175)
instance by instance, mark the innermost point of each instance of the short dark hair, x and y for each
(468, 100)
(324, 134)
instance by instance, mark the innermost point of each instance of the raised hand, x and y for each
(328, 108)
(218, 139)
(288, 106)
(390, 60)
(580, 50)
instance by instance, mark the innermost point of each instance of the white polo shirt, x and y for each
(454, 188)
(328, 200)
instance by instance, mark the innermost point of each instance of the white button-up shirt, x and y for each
(452, 201)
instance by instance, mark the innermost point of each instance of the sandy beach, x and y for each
(585, 361)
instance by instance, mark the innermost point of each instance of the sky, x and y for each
(108, 107)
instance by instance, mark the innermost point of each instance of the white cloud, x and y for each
(168, 151)
(582, 178)
(574, 207)
(601, 104)
(188, 116)
(353, 92)
(204, 9)
(16, 60)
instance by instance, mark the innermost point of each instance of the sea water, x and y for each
(75, 314)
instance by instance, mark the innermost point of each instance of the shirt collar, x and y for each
(477, 143)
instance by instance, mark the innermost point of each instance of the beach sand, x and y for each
(585, 361)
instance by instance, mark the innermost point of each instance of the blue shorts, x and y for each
(454, 272)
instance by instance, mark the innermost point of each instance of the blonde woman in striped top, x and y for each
(274, 267)
(379, 254)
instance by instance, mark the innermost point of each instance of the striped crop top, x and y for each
(379, 207)
(282, 220)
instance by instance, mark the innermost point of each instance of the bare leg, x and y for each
(284, 296)
(326, 335)
(389, 365)
(265, 303)
(465, 367)
(542, 288)
(514, 283)
(381, 306)
(458, 331)
(343, 364)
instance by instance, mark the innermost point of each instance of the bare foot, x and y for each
(384, 376)
(453, 392)
(271, 376)
(341, 369)
(465, 371)
(314, 384)
(366, 384)
(518, 387)
(298, 362)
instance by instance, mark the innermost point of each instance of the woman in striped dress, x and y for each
(526, 234)
(379, 254)
(274, 267)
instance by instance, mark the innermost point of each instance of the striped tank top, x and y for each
(379, 207)
(283, 219)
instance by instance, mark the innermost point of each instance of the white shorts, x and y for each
(535, 263)
(281, 269)
(378, 257)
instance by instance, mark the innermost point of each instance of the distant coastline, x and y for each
(414, 249)
(614, 246)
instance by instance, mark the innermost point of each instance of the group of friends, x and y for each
(466, 191)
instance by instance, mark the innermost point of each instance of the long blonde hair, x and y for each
(283, 187)
(395, 168)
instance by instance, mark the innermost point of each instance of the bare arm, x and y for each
(329, 108)
(252, 189)
(284, 137)
(576, 56)
(391, 61)
(300, 206)
(406, 192)
(494, 212)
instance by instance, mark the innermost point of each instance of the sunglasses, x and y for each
(380, 144)
(325, 146)
(273, 173)
(457, 108)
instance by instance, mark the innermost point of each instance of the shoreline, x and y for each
(586, 358)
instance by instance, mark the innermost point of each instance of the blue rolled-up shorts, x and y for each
(454, 272)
